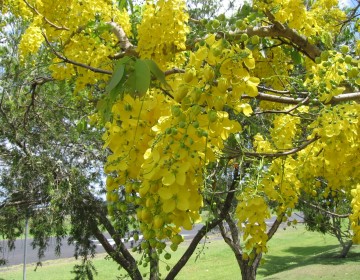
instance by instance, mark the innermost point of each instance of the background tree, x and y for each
(171, 107)
(328, 213)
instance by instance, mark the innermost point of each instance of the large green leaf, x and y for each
(129, 84)
(116, 77)
(157, 72)
(142, 77)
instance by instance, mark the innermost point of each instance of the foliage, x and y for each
(273, 86)
(328, 213)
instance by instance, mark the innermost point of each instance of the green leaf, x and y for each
(157, 72)
(116, 77)
(296, 57)
(245, 10)
(142, 77)
(123, 4)
(129, 84)
(81, 125)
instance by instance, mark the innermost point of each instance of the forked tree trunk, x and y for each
(248, 272)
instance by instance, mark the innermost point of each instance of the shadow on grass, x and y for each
(303, 256)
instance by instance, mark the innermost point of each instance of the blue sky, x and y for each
(225, 4)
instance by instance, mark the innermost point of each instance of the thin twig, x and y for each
(174, 71)
(235, 153)
(303, 102)
(36, 82)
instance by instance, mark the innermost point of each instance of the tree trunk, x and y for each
(248, 272)
(346, 249)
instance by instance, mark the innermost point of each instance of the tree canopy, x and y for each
(271, 89)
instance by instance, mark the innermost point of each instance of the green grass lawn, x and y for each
(293, 254)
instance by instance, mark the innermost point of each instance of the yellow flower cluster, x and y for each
(330, 158)
(252, 211)
(281, 184)
(326, 77)
(262, 145)
(159, 150)
(284, 130)
(333, 155)
(355, 216)
(31, 39)
(71, 24)
(273, 68)
(282, 133)
(162, 31)
(17, 7)
(198, 86)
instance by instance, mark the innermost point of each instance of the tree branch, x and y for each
(232, 242)
(36, 82)
(235, 153)
(174, 71)
(67, 60)
(125, 44)
(110, 229)
(120, 259)
(288, 111)
(284, 31)
(121, 254)
(274, 227)
(276, 29)
(325, 211)
(351, 16)
(354, 96)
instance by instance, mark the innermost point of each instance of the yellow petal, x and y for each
(246, 109)
(147, 154)
(249, 62)
(187, 224)
(181, 178)
(183, 200)
(165, 193)
(168, 179)
(169, 205)
(251, 90)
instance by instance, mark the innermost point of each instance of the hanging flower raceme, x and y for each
(162, 31)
